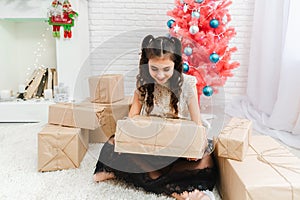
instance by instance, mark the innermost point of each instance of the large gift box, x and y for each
(87, 115)
(106, 88)
(269, 172)
(160, 136)
(233, 141)
(61, 147)
(100, 136)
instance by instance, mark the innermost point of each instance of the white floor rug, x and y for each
(19, 178)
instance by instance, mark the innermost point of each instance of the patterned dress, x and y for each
(176, 174)
(162, 98)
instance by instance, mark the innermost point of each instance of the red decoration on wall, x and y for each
(62, 14)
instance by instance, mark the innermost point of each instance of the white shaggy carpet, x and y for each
(19, 178)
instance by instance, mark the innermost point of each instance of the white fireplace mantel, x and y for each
(71, 54)
(24, 9)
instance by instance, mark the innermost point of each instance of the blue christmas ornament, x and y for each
(214, 23)
(170, 23)
(196, 14)
(188, 51)
(199, 1)
(186, 67)
(168, 35)
(207, 91)
(214, 57)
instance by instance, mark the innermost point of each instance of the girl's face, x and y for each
(161, 69)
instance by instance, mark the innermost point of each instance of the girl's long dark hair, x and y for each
(158, 48)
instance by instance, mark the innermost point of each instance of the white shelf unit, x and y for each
(20, 31)
(24, 111)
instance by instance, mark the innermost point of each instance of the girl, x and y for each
(163, 90)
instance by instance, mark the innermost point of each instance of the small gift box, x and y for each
(269, 171)
(106, 88)
(61, 147)
(160, 136)
(233, 141)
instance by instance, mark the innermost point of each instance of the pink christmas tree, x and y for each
(202, 27)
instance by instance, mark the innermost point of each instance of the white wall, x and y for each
(72, 54)
(112, 41)
(242, 16)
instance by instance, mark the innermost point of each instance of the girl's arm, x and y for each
(194, 110)
(195, 114)
(136, 106)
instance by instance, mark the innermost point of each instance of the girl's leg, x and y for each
(104, 175)
(205, 163)
(125, 166)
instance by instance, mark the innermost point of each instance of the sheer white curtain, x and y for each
(273, 91)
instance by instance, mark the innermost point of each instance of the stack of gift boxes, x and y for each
(254, 167)
(63, 142)
(250, 167)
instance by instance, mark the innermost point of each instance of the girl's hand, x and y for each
(192, 159)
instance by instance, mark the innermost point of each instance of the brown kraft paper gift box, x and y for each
(233, 141)
(72, 115)
(99, 135)
(61, 147)
(107, 115)
(160, 136)
(87, 115)
(106, 88)
(268, 172)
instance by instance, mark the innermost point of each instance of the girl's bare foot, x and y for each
(195, 195)
(102, 176)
